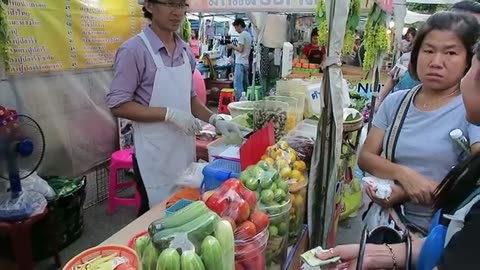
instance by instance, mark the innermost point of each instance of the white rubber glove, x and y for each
(189, 124)
(226, 128)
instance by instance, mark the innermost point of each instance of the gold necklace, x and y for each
(428, 104)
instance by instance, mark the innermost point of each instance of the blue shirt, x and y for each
(424, 143)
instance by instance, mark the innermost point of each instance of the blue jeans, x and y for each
(240, 80)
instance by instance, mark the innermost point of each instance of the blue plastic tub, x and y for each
(177, 206)
(217, 172)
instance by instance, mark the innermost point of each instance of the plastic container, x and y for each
(251, 253)
(277, 246)
(215, 148)
(218, 171)
(298, 197)
(240, 107)
(271, 110)
(92, 253)
(292, 109)
(300, 96)
(131, 242)
(244, 120)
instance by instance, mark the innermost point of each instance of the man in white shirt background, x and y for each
(242, 52)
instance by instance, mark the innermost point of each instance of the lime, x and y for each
(273, 187)
(251, 183)
(279, 195)
(282, 185)
(263, 164)
(282, 228)
(273, 231)
(266, 182)
(267, 196)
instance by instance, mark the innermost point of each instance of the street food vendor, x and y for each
(153, 87)
(313, 52)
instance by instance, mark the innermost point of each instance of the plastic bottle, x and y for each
(243, 97)
(457, 136)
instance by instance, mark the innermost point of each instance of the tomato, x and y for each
(251, 199)
(245, 231)
(260, 219)
(231, 221)
(256, 262)
(239, 266)
(217, 204)
(233, 184)
(243, 211)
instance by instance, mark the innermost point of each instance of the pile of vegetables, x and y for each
(238, 205)
(376, 40)
(194, 237)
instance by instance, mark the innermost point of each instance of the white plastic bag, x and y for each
(37, 184)
(192, 177)
(383, 188)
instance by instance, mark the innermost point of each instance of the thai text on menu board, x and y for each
(63, 35)
(253, 5)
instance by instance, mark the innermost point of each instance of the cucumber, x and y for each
(224, 235)
(140, 244)
(182, 216)
(191, 261)
(196, 230)
(169, 259)
(212, 254)
(149, 257)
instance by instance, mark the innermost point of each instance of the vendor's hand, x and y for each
(418, 188)
(398, 196)
(184, 120)
(226, 128)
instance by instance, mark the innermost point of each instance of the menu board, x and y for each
(65, 35)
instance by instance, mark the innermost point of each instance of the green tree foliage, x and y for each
(427, 8)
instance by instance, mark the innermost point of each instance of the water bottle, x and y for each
(243, 97)
(457, 136)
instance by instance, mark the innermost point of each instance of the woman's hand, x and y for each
(348, 257)
(418, 188)
(398, 196)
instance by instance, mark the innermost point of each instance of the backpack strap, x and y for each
(397, 124)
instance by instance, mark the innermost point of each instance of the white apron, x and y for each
(163, 151)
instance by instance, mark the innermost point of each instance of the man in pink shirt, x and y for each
(153, 87)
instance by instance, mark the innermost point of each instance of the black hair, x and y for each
(467, 6)
(146, 13)
(239, 22)
(314, 33)
(412, 31)
(459, 183)
(464, 25)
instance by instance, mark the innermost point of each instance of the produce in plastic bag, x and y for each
(194, 237)
(276, 251)
(238, 205)
(285, 159)
(192, 177)
(266, 182)
(303, 145)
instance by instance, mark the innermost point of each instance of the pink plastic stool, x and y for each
(121, 159)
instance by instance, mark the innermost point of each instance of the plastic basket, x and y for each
(131, 242)
(177, 206)
(218, 171)
(91, 253)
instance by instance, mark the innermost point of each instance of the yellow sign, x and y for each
(54, 35)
